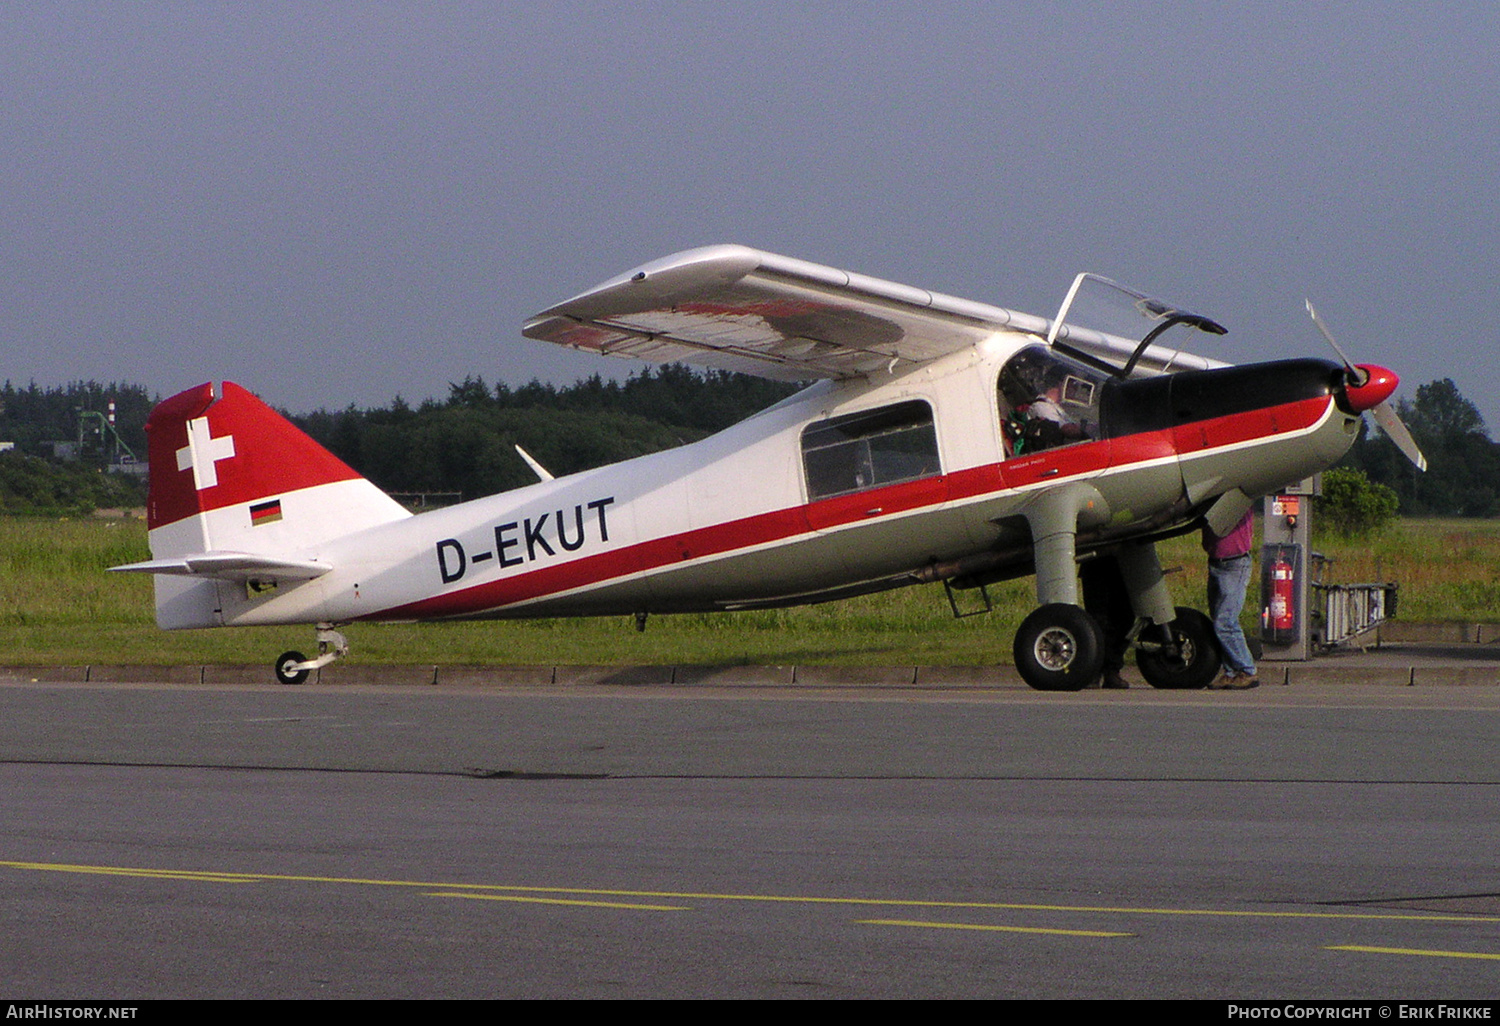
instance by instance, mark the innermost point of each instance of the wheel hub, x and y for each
(1056, 649)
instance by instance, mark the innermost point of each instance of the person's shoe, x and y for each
(1236, 682)
(1113, 680)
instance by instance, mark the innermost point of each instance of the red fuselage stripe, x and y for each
(783, 524)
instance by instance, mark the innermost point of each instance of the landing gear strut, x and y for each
(294, 667)
(1061, 647)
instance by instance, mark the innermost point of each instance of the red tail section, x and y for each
(208, 453)
(230, 474)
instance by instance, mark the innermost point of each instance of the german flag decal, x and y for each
(265, 512)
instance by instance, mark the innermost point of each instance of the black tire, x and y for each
(284, 672)
(1059, 648)
(1199, 661)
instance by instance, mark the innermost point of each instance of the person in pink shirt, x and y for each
(1228, 577)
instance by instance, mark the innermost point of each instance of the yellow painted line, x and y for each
(557, 901)
(1415, 951)
(595, 892)
(160, 874)
(982, 926)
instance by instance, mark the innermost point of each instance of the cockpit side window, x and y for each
(1047, 400)
(870, 449)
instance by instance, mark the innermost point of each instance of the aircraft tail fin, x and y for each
(239, 493)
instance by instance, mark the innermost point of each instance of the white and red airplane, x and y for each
(942, 440)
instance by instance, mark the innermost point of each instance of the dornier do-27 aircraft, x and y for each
(941, 440)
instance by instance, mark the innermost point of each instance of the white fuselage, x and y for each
(728, 520)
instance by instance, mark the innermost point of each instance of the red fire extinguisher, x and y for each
(1283, 607)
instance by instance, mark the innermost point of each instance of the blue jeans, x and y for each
(1227, 581)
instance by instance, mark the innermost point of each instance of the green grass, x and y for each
(58, 606)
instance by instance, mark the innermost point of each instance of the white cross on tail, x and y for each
(203, 452)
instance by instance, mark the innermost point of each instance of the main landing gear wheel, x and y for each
(1059, 648)
(284, 672)
(1197, 661)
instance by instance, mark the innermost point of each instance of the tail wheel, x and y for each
(1197, 662)
(1059, 648)
(285, 674)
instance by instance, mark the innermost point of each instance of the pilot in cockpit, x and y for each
(1039, 421)
(1044, 403)
(1047, 422)
(1047, 405)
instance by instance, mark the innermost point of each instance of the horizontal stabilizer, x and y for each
(231, 566)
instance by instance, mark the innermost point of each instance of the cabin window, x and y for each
(870, 449)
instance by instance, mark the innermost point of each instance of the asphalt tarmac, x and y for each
(738, 839)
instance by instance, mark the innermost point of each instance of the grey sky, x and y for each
(333, 203)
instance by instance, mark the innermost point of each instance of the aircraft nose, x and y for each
(1376, 388)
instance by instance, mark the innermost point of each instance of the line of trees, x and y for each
(33, 417)
(33, 481)
(465, 442)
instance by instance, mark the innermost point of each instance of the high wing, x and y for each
(739, 309)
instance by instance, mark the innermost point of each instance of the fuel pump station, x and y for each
(1301, 611)
(1285, 555)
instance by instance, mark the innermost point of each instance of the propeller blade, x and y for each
(1355, 375)
(1384, 413)
(1390, 423)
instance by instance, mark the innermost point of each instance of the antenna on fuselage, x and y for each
(536, 468)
